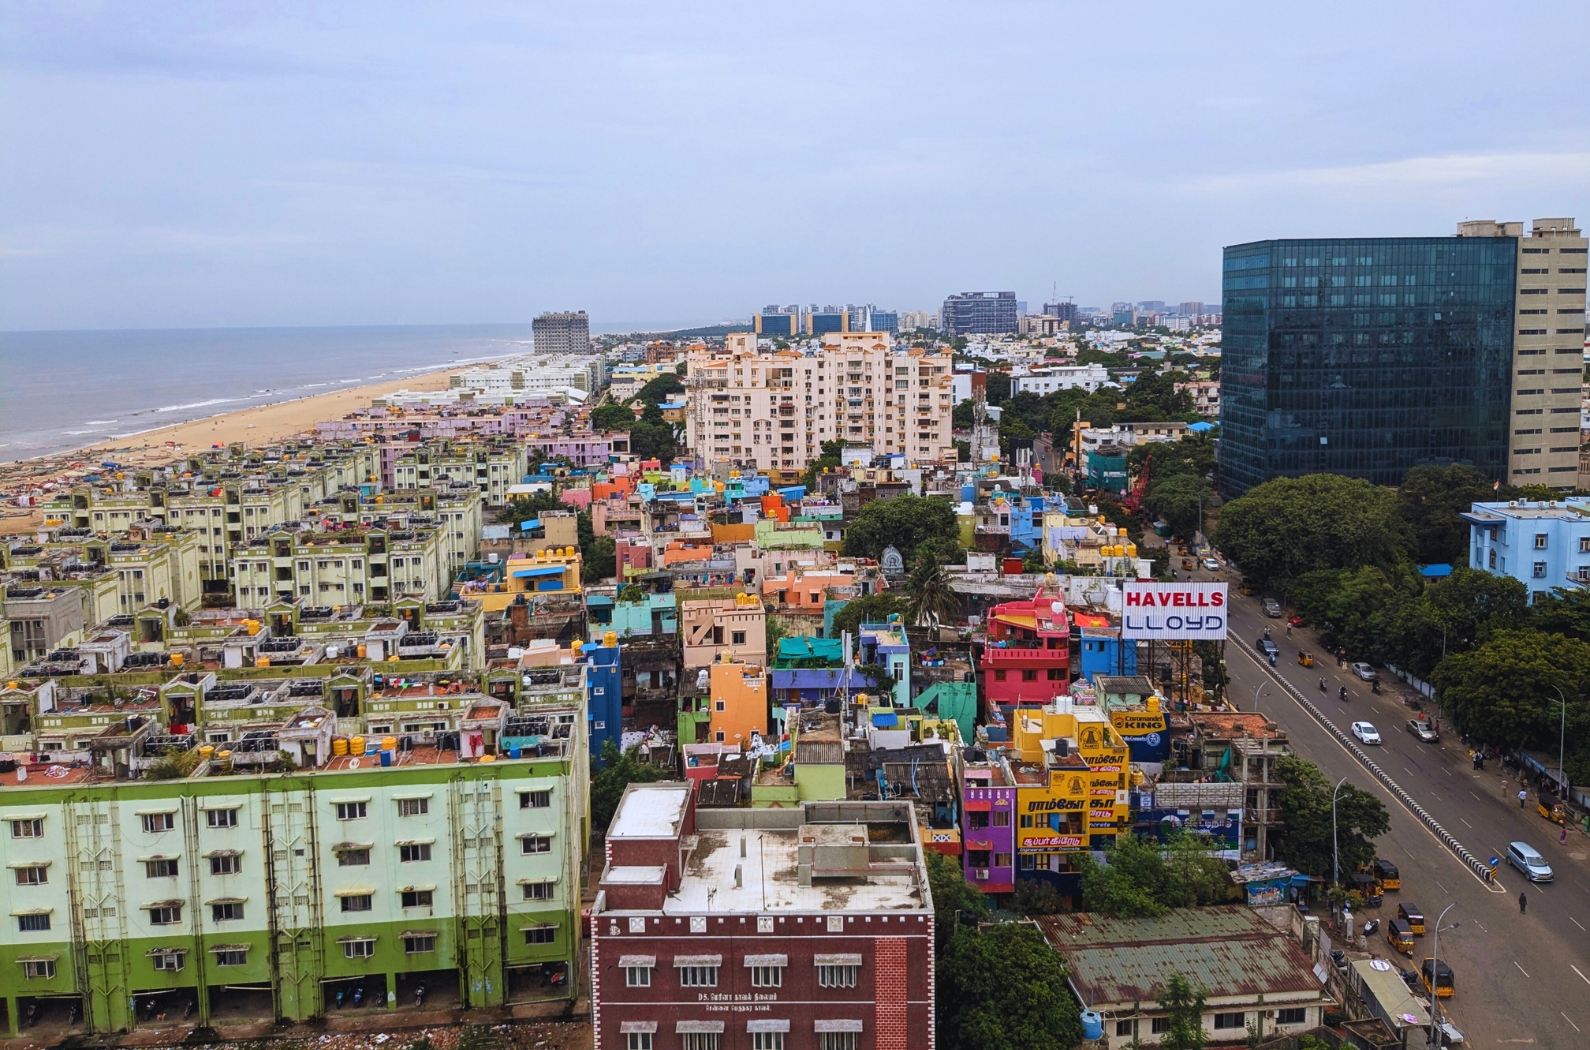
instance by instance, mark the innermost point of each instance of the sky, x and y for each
(221, 165)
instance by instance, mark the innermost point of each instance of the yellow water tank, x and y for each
(176, 659)
(356, 745)
(339, 745)
(224, 755)
(361, 651)
(1153, 705)
(575, 646)
(13, 685)
(488, 758)
(610, 639)
(205, 751)
(389, 743)
(1131, 550)
(253, 627)
(263, 661)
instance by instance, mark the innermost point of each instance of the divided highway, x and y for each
(1521, 979)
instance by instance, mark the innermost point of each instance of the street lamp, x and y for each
(1562, 737)
(1335, 853)
(1256, 690)
(1435, 977)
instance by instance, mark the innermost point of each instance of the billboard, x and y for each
(1174, 611)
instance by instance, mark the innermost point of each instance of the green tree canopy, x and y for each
(1004, 989)
(832, 451)
(1179, 501)
(1142, 878)
(1287, 527)
(1184, 1013)
(1505, 691)
(929, 596)
(952, 894)
(869, 608)
(659, 390)
(904, 522)
(527, 508)
(1453, 615)
(1304, 838)
(1430, 500)
(609, 416)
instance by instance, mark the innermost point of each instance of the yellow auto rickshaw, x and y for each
(1390, 878)
(1365, 886)
(1187, 563)
(1555, 812)
(1436, 977)
(1305, 658)
(1400, 937)
(1245, 589)
(1412, 915)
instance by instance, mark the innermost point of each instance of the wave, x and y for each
(99, 422)
(202, 404)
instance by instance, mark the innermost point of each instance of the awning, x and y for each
(837, 1025)
(626, 1027)
(345, 847)
(227, 900)
(354, 891)
(158, 856)
(357, 939)
(627, 961)
(416, 889)
(32, 911)
(547, 570)
(767, 1026)
(685, 1027)
(161, 904)
(537, 882)
(36, 958)
(167, 951)
(698, 960)
(418, 933)
(767, 960)
(413, 842)
(30, 864)
(224, 853)
(836, 960)
(230, 947)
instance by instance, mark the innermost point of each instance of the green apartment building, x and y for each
(231, 895)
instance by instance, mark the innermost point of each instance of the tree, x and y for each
(952, 895)
(1179, 501)
(1004, 989)
(653, 440)
(773, 632)
(1014, 434)
(997, 387)
(869, 608)
(1303, 840)
(1184, 1013)
(1504, 692)
(617, 772)
(658, 390)
(599, 560)
(832, 452)
(930, 599)
(1142, 878)
(1287, 527)
(1455, 614)
(963, 415)
(610, 416)
(1430, 500)
(904, 522)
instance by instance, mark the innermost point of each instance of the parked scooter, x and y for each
(1371, 926)
(340, 993)
(358, 995)
(419, 996)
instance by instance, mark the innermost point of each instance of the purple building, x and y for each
(988, 802)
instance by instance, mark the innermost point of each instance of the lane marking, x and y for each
(1477, 923)
(1447, 771)
(1476, 797)
(1576, 970)
(1466, 824)
(1524, 971)
(1409, 771)
(1565, 1017)
(1576, 923)
(1443, 888)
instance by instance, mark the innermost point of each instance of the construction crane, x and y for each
(1133, 500)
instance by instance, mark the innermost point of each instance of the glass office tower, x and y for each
(1365, 357)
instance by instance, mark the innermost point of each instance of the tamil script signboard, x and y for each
(1174, 611)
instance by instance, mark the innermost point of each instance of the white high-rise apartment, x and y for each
(1548, 349)
(772, 412)
(562, 333)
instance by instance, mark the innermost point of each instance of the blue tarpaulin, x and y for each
(549, 570)
(533, 523)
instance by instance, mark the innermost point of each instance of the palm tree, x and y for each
(929, 597)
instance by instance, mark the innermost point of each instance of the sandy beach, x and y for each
(253, 426)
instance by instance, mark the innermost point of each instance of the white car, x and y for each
(1366, 733)
(1211, 565)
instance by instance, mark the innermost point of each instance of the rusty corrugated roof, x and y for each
(1230, 951)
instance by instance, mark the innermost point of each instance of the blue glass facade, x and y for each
(822, 323)
(1365, 357)
(886, 321)
(983, 313)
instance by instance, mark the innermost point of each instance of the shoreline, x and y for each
(258, 425)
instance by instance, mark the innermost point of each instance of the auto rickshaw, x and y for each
(1364, 884)
(1412, 915)
(1400, 937)
(1555, 812)
(1187, 563)
(1305, 658)
(1436, 978)
(1245, 589)
(1390, 878)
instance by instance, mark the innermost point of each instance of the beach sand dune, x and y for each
(253, 426)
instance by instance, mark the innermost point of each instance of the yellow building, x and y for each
(547, 570)
(1070, 768)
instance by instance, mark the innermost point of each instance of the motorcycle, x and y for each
(1371, 926)
(358, 995)
(419, 997)
(1341, 694)
(1322, 685)
(1374, 687)
(74, 1013)
(340, 993)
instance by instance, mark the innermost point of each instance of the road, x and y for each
(1521, 980)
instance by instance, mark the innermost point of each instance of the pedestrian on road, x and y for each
(1562, 840)
(1523, 797)
(1523, 903)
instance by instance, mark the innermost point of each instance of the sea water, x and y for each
(63, 390)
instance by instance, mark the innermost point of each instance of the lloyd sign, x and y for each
(1179, 611)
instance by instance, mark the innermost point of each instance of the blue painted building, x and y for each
(604, 694)
(1543, 545)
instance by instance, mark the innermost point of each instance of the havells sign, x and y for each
(1174, 611)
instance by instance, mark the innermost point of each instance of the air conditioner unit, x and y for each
(979, 873)
(441, 705)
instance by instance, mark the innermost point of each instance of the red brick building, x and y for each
(807, 928)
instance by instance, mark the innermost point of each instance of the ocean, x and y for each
(63, 390)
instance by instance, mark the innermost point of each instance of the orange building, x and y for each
(805, 592)
(739, 704)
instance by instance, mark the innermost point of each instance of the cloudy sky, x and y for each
(175, 164)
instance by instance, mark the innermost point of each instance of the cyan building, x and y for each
(1543, 545)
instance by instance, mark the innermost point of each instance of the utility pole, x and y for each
(1335, 850)
(1435, 979)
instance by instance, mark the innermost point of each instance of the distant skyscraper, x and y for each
(1064, 311)
(1190, 309)
(982, 313)
(886, 321)
(1367, 357)
(828, 319)
(778, 321)
(562, 333)
(1151, 306)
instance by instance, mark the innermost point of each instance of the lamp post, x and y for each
(1435, 977)
(1256, 691)
(1562, 738)
(1335, 852)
